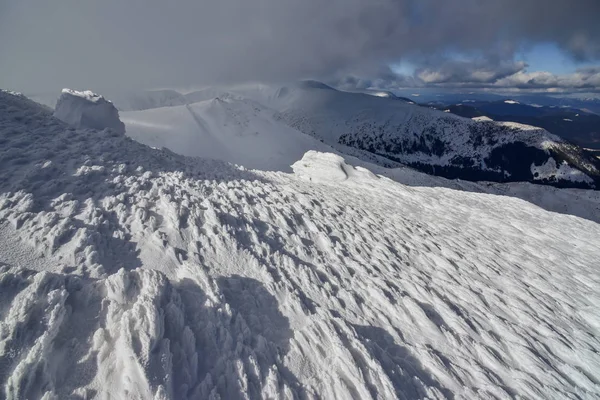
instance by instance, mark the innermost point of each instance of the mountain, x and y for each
(432, 141)
(589, 103)
(574, 125)
(131, 272)
(390, 131)
(236, 130)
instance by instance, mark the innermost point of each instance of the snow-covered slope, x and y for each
(134, 273)
(238, 131)
(87, 110)
(432, 141)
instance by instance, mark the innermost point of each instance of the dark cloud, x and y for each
(115, 43)
(383, 79)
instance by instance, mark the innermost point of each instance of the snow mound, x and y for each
(88, 110)
(328, 167)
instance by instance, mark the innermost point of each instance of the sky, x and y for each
(524, 45)
(549, 57)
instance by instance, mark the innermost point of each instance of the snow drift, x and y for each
(87, 110)
(129, 272)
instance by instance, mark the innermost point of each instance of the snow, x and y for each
(330, 115)
(237, 131)
(511, 102)
(11, 92)
(270, 127)
(524, 127)
(482, 119)
(382, 94)
(550, 170)
(128, 272)
(567, 120)
(327, 167)
(87, 110)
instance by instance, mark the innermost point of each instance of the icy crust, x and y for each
(136, 273)
(87, 110)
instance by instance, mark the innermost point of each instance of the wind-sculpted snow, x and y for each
(87, 110)
(133, 273)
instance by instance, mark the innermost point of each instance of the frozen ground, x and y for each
(133, 273)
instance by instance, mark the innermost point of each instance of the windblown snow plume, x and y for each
(87, 110)
(133, 273)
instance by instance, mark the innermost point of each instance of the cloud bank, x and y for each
(46, 45)
(478, 74)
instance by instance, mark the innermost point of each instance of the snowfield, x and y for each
(133, 273)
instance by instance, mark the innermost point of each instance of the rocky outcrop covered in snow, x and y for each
(88, 110)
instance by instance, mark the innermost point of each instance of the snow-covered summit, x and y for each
(86, 109)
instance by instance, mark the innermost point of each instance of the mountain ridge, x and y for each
(431, 141)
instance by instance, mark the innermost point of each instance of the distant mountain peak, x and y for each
(313, 84)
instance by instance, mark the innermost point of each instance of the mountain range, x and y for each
(386, 130)
(572, 124)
